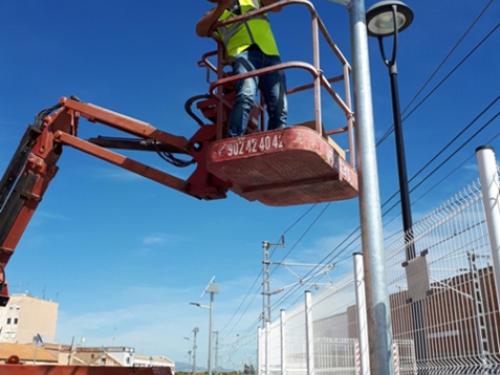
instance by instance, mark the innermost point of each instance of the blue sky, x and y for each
(124, 256)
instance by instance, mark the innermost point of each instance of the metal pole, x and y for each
(216, 358)
(359, 276)
(259, 351)
(490, 186)
(266, 288)
(282, 341)
(309, 334)
(379, 327)
(195, 332)
(210, 333)
(266, 302)
(417, 307)
(401, 159)
(266, 349)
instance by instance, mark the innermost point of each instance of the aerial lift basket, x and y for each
(297, 165)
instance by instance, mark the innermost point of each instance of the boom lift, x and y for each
(297, 165)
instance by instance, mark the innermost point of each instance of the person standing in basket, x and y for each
(249, 45)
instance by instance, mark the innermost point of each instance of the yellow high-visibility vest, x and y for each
(237, 37)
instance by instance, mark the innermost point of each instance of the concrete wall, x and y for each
(26, 316)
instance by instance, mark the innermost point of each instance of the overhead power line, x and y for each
(337, 251)
(301, 237)
(251, 289)
(444, 148)
(407, 114)
(448, 55)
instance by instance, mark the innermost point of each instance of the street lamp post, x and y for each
(212, 289)
(385, 19)
(195, 333)
(389, 18)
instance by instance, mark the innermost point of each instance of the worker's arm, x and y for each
(206, 23)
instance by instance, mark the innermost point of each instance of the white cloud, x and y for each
(155, 239)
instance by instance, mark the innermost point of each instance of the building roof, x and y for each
(26, 352)
(155, 358)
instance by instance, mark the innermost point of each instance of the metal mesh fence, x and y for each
(445, 315)
(336, 349)
(444, 307)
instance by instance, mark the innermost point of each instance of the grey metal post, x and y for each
(309, 334)
(379, 327)
(195, 333)
(282, 341)
(359, 278)
(490, 186)
(210, 308)
(266, 346)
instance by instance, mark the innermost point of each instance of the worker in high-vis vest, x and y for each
(249, 45)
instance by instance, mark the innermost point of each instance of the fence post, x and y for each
(490, 186)
(359, 278)
(282, 341)
(266, 354)
(309, 334)
(259, 354)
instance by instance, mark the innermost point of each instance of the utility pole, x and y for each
(216, 357)
(195, 333)
(266, 289)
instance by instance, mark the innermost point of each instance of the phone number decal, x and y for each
(251, 146)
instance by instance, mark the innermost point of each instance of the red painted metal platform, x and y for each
(81, 370)
(284, 167)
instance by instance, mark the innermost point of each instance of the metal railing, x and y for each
(319, 80)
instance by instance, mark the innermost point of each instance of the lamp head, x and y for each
(379, 18)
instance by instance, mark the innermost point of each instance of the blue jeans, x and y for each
(272, 86)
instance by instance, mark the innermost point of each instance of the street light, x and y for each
(389, 18)
(195, 333)
(380, 17)
(212, 288)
